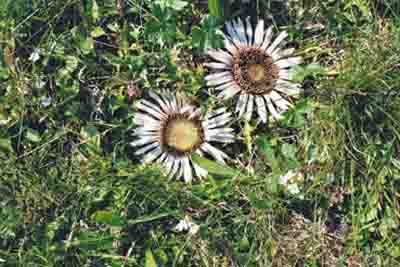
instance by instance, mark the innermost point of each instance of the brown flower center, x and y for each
(255, 71)
(182, 135)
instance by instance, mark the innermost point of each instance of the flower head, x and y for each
(187, 225)
(170, 130)
(291, 181)
(255, 67)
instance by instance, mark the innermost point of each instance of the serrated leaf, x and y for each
(214, 167)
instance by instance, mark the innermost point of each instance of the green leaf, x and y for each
(71, 63)
(173, 4)
(295, 117)
(244, 244)
(395, 252)
(86, 45)
(150, 260)
(214, 167)
(5, 145)
(289, 150)
(89, 240)
(95, 11)
(179, 5)
(89, 132)
(265, 144)
(215, 8)
(32, 135)
(299, 73)
(207, 35)
(108, 217)
(97, 32)
(259, 203)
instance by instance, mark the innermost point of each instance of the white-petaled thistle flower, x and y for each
(255, 67)
(169, 131)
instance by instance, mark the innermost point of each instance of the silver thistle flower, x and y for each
(255, 67)
(169, 131)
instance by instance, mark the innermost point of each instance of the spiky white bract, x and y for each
(255, 68)
(169, 131)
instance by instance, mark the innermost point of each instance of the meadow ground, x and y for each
(72, 192)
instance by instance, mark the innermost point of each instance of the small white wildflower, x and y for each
(45, 101)
(1, 260)
(290, 181)
(187, 225)
(284, 179)
(35, 56)
(293, 189)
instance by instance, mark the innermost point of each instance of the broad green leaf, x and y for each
(150, 260)
(89, 132)
(108, 217)
(86, 45)
(215, 8)
(289, 150)
(259, 203)
(173, 4)
(299, 73)
(244, 244)
(33, 136)
(214, 167)
(97, 32)
(395, 252)
(266, 147)
(5, 145)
